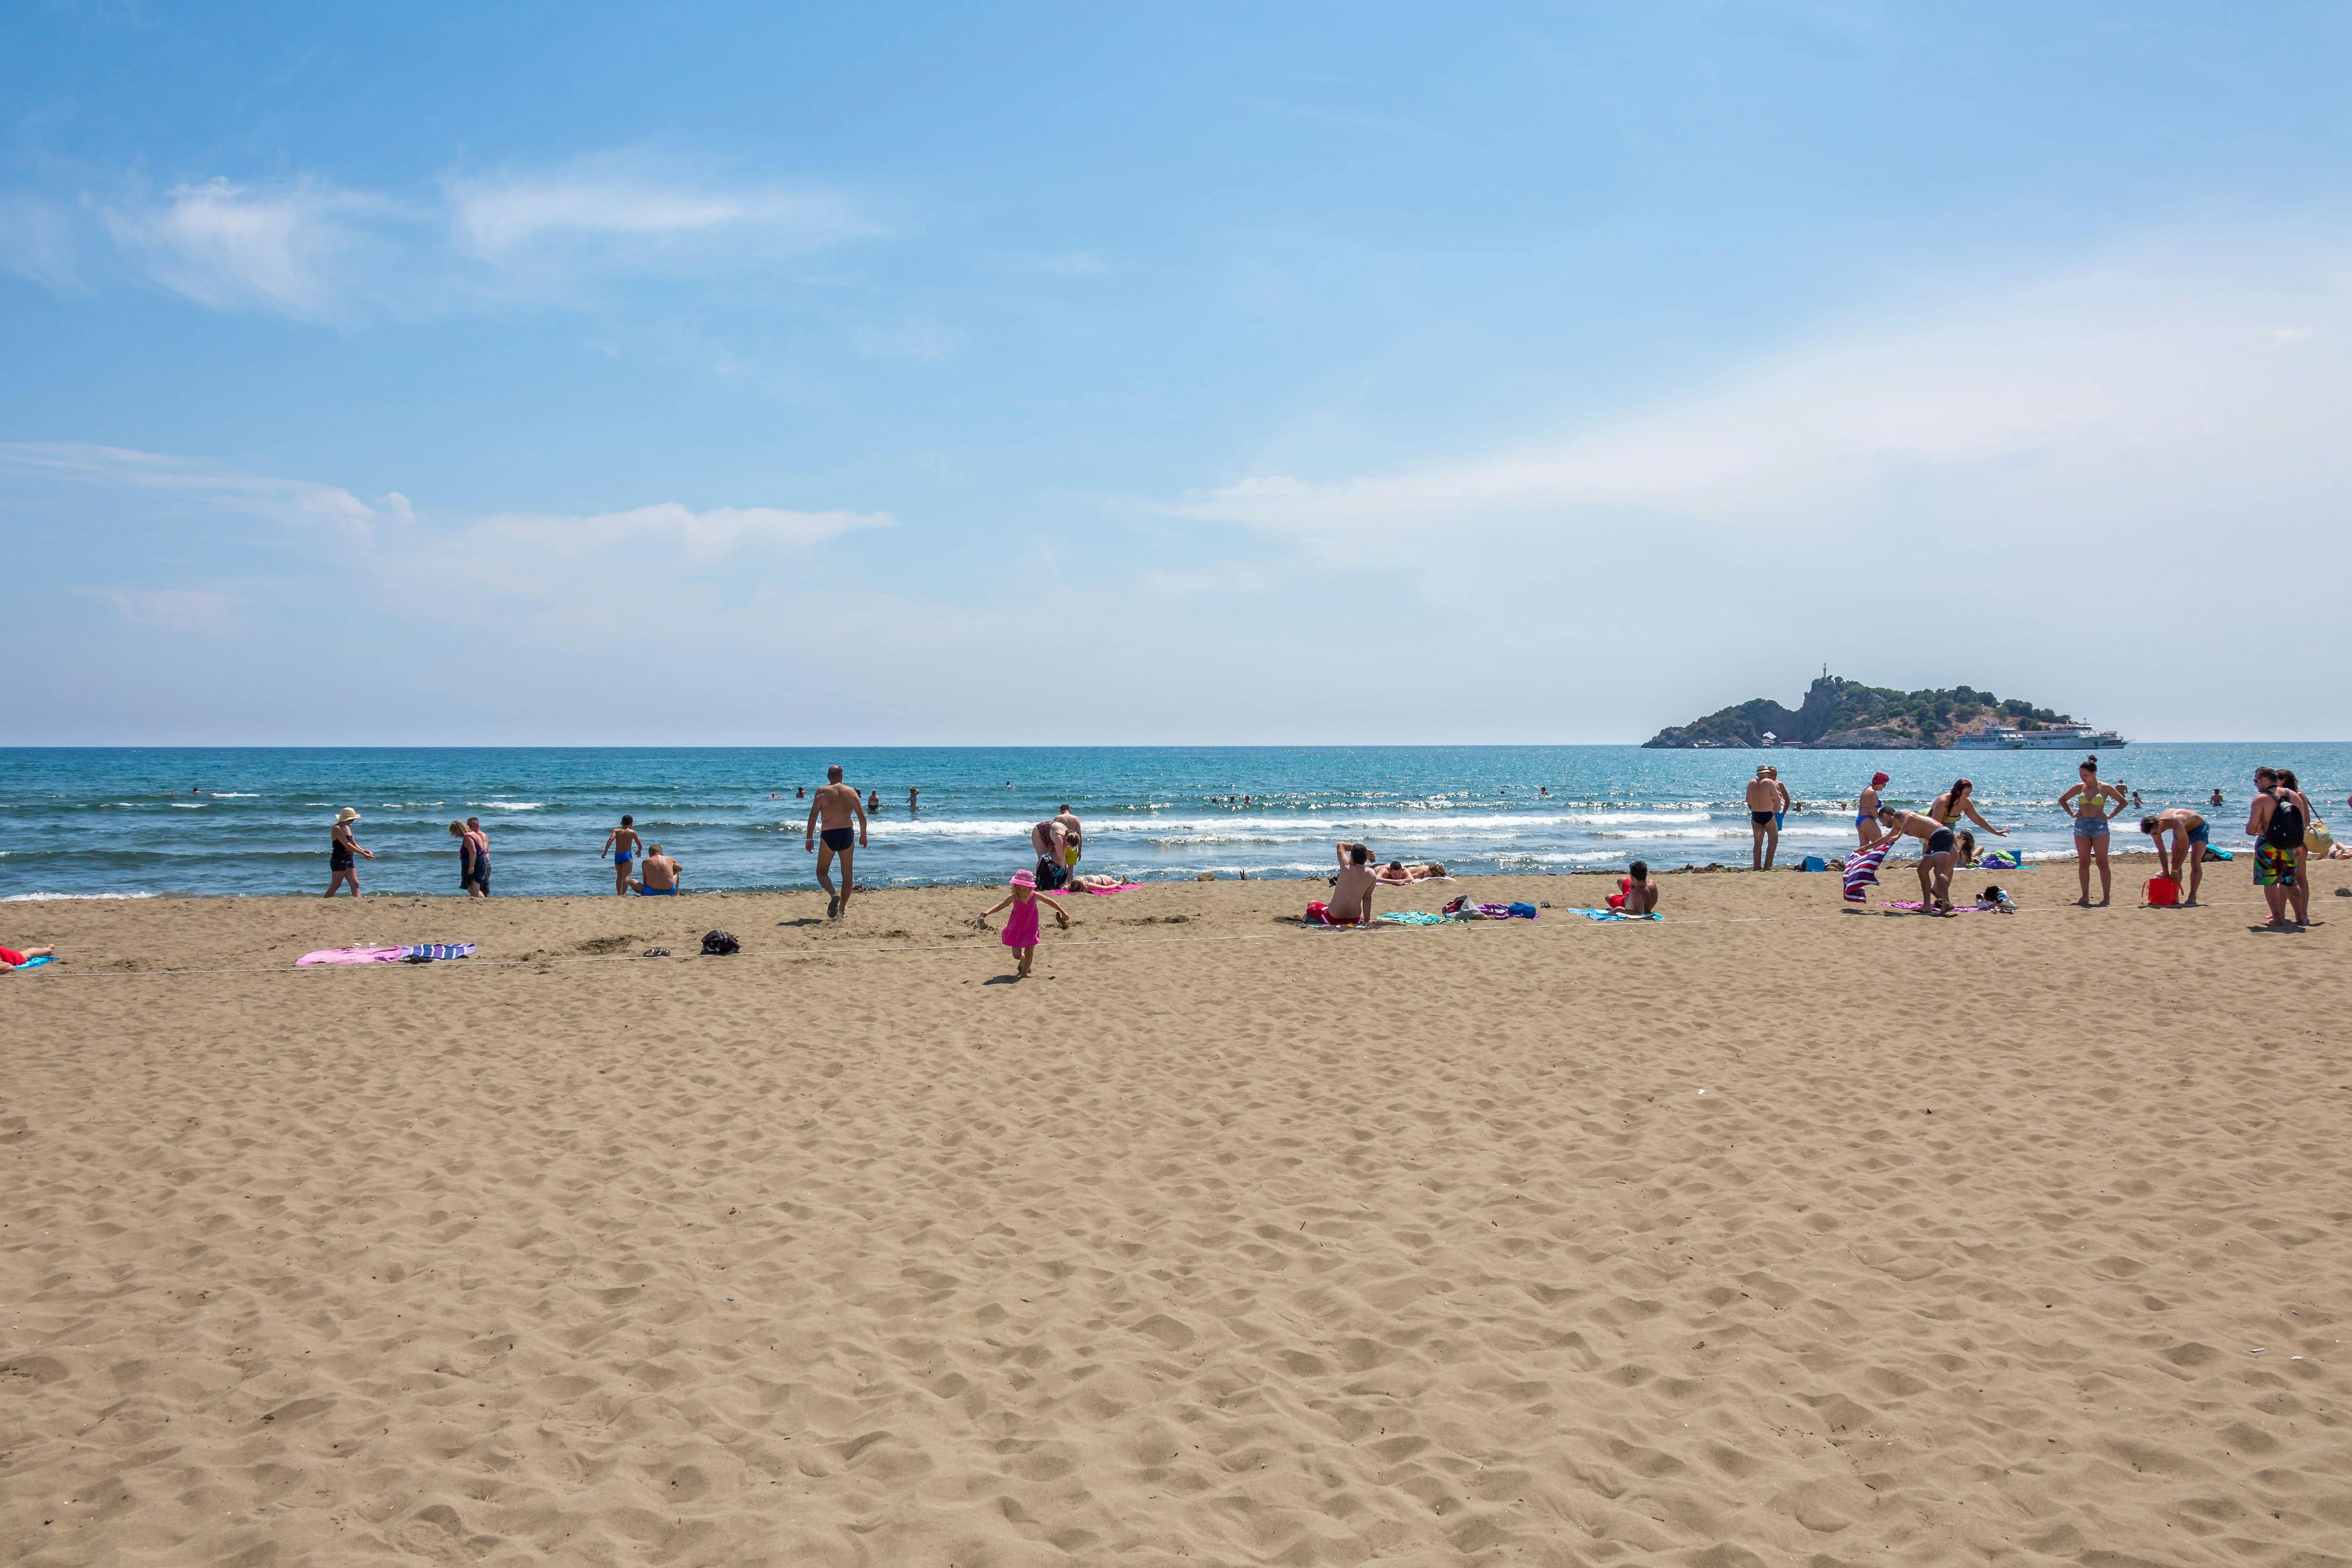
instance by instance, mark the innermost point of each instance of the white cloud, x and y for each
(303, 250)
(36, 242)
(182, 611)
(552, 568)
(318, 252)
(296, 503)
(632, 214)
(2142, 386)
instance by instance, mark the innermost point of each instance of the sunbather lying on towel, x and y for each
(11, 959)
(1398, 871)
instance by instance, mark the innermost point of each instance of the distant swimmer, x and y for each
(340, 849)
(1865, 813)
(874, 801)
(622, 844)
(1767, 799)
(660, 881)
(2088, 804)
(835, 804)
(2188, 833)
(913, 794)
(799, 793)
(2217, 799)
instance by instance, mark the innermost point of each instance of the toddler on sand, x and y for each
(1021, 925)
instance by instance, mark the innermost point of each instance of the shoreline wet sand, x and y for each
(1774, 1230)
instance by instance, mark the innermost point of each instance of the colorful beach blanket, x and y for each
(428, 949)
(1416, 918)
(350, 955)
(1862, 869)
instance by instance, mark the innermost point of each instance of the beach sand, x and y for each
(1772, 1233)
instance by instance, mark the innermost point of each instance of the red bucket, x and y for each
(2163, 892)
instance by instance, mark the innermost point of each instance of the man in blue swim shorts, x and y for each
(623, 844)
(2189, 834)
(661, 874)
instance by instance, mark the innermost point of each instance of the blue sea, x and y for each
(101, 823)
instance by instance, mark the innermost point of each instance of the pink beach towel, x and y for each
(350, 955)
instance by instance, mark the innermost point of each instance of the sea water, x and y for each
(99, 822)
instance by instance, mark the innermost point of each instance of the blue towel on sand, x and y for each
(35, 962)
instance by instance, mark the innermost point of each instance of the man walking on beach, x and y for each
(1767, 799)
(623, 844)
(835, 806)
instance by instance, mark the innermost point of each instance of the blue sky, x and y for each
(1115, 375)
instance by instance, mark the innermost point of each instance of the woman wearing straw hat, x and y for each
(339, 854)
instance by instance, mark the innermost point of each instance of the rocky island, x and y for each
(1838, 714)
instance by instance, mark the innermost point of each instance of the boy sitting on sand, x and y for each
(1637, 894)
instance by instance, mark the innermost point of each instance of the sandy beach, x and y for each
(1774, 1233)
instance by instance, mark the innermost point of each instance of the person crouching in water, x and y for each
(1021, 925)
(1637, 894)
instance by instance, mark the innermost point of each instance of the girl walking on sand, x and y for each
(1021, 925)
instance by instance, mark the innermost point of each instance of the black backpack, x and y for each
(718, 944)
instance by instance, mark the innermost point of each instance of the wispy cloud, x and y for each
(2132, 384)
(547, 567)
(318, 252)
(304, 250)
(178, 612)
(296, 503)
(36, 242)
(635, 211)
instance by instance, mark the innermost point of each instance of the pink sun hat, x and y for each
(1024, 878)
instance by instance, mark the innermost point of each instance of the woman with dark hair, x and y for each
(1960, 801)
(2302, 850)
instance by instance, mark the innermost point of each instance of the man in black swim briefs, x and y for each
(836, 805)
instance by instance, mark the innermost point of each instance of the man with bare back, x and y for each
(836, 805)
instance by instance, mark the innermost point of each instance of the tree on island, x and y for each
(1838, 712)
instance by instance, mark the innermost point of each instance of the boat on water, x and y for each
(2049, 738)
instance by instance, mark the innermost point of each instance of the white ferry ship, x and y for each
(2050, 737)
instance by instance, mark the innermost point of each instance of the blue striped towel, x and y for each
(439, 949)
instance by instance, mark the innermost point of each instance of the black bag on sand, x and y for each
(718, 943)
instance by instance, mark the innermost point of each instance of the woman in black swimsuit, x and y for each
(340, 849)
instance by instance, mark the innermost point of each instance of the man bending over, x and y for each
(2189, 834)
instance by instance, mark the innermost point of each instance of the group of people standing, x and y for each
(2280, 821)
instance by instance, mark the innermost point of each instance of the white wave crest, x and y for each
(60, 898)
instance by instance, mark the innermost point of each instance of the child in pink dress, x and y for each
(1021, 925)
